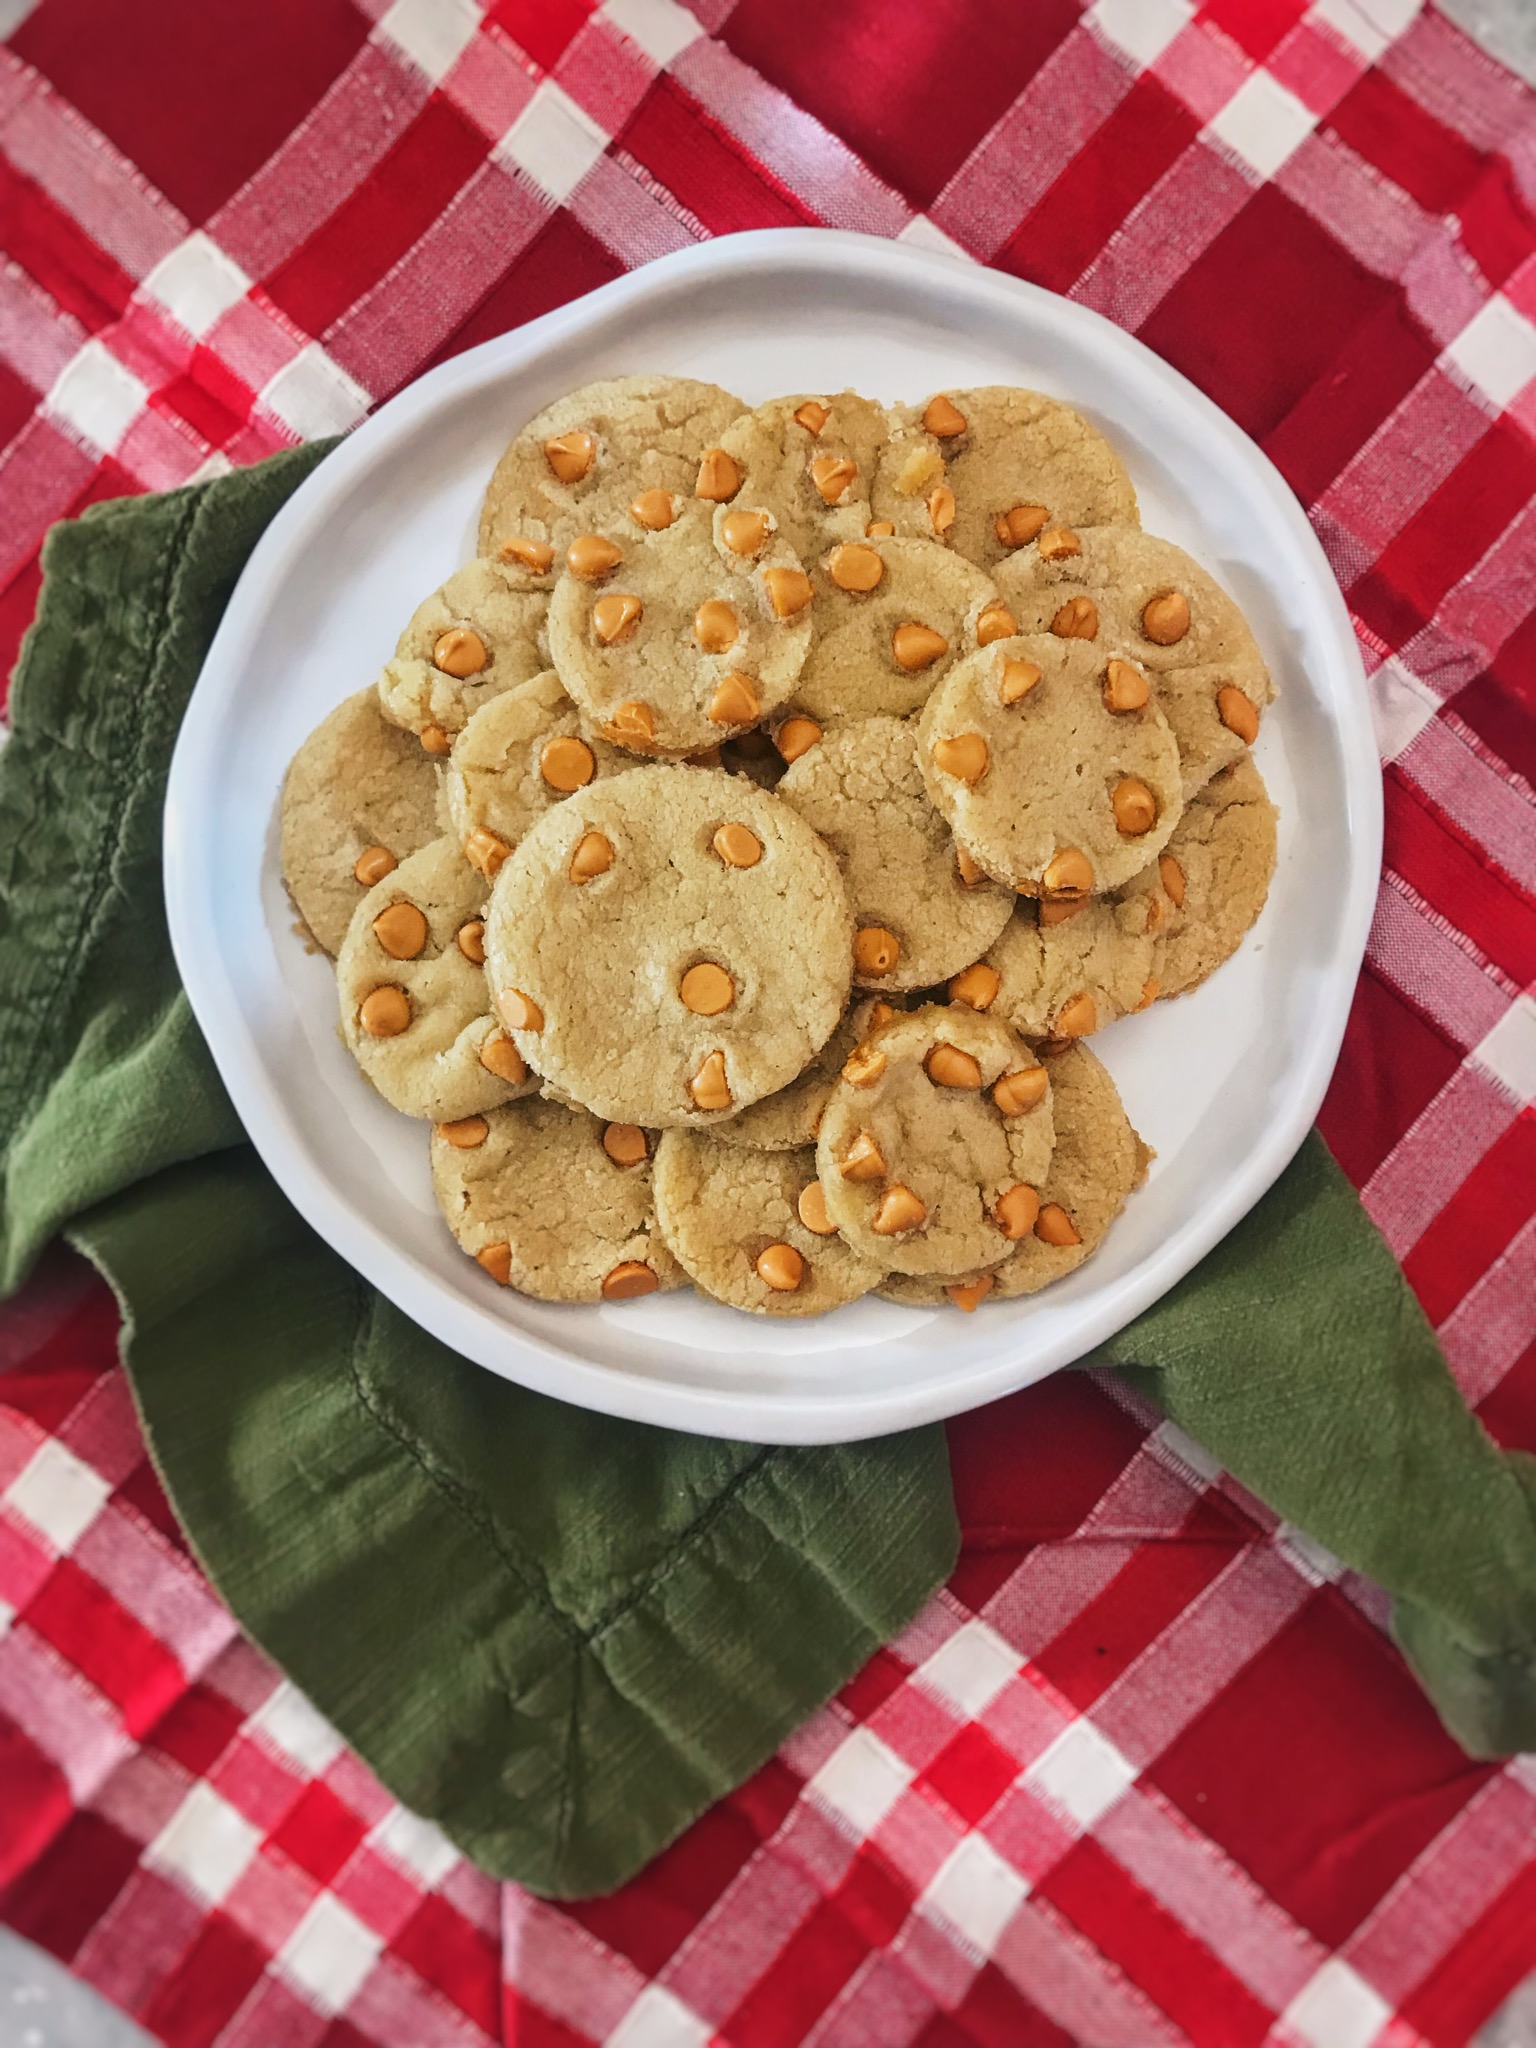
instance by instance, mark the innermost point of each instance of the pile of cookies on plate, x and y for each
(735, 857)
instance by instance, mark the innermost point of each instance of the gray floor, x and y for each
(42, 2006)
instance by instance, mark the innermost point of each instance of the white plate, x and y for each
(1223, 1083)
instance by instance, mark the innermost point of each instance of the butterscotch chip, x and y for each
(625, 1144)
(915, 646)
(633, 724)
(1068, 873)
(737, 846)
(591, 856)
(591, 555)
(567, 763)
(789, 591)
(1059, 542)
(995, 623)
(496, 1259)
(1134, 806)
(460, 652)
(485, 851)
(1055, 1227)
(967, 869)
(1078, 619)
(709, 1086)
(501, 1057)
(1173, 878)
(1151, 989)
(471, 940)
(975, 986)
(1019, 525)
(537, 556)
(570, 456)
(864, 1066)
(570, 1223)
(964, 756)
(655, 510)
(1238, 713)
(813, 415)
(373, 864)
(615, 617)
(970, 1294)
(1076, 1018)
(948, 1067)
(1125, 687)
(707, 990)
(716, 626)
(401, 930)
(1060, 909)
(941, 416)
(855, 567)
(746, 533)
(464, 1133)
(386, 1012)
(719, 476)
(434, 740)
(431, 1069)
(1022, 1090)
(745, 1226)
(1165, 618)
(795, 735)
(875, 951)
(520, 1011)
(735, 701)
(1016, 678)
(880, 529)
(937, 1133)
(863, 1159)
(834, 476)
(941, 509)
(1016, 1211)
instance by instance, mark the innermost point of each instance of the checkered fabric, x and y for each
(1148, 1770)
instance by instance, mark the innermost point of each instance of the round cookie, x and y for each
(1152, 603)
(681, 644)
(731, 1216)
(1219, 860)
(881, 611)
(504, 771)
(1043, 785)
(584, 461)
(1069, 978)
(469, 641)
(1015, 461)
(679, 873)
(916, 1152)
(1098, 1162)
(535, 1195)
(916, 922)
(791, 1116)
(810, 460)
(358, 792)
(414, 1007)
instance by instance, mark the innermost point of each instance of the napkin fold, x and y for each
(561, 1636)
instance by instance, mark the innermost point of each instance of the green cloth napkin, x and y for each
(561, 1636)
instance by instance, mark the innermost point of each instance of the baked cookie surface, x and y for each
(1216, 871)
(520, 753)
(810, 461)
(469, 641)
(669, 945)
(359, 797)
(935, 1141)
(1066, 977)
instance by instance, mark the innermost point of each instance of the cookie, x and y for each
(554, 1202)
(359, 797)
(519, 754)
(891, 618)
(617, 457)
(676, 644)
(916, 921)
(935, 1141)
(469, 641)
(792, 1115)
(1046, 787)
(809, 460)
(734, 1219)
(1140, 597)
(1064, 976)
(1098, 1162)
(414, 1006)
(669, 945)
(1013, 463)
(1215, 872)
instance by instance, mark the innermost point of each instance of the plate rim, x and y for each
(797, 1416)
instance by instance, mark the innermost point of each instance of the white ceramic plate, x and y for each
(1223, 1083)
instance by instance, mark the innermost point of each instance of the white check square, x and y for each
(553, 141)
(976, 1892)
(98, 396)
(58, 1494)
(971, 1668)
(315, 396)
(197, 283)
(416, 1843)
(1508, 1051)
(659, 2019)
(1335, 2009)
(1496, 351)
(288, 1720)
(206, 1843)
(1143, 29)
(1263, 123)
(659, 27)
(432, 33)
(862, 1780)
(1082, 1772)
(330, 1953)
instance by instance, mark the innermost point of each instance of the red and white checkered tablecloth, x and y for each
(1148, 1770)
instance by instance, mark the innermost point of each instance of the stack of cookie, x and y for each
(735, 856)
